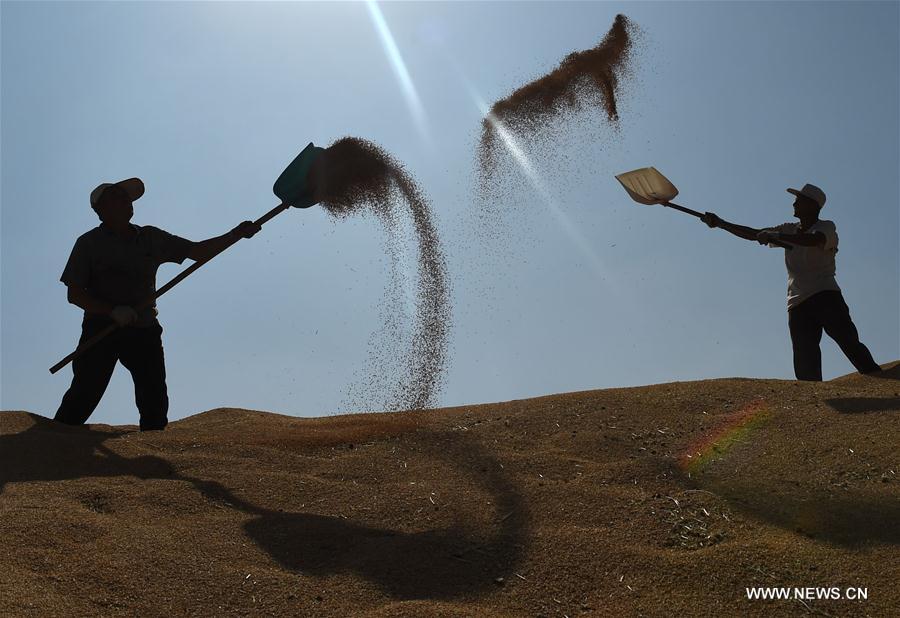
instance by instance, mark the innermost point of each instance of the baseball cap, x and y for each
(812, 192)
(133, 187)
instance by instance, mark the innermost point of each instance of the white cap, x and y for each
(134, 187)
(812, 192)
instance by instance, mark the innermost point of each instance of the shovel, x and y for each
(292, 188)
(648, 186)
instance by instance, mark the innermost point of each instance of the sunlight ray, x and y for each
(399, 66)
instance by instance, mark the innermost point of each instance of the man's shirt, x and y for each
(123, 271)
(810, 269)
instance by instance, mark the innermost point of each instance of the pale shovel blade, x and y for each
(647, 186)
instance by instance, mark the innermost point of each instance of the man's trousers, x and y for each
(140, 351)
(825, 311)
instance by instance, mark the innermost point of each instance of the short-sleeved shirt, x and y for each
(810, 269)
(123, 271)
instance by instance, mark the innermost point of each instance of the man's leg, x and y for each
(806, 333)
(92, 371)
(142, 355)
(839, 326)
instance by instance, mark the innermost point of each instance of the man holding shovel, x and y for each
(111, 275)
(815, 302)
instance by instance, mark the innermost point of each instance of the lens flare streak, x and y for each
(399, 66)
(733, 429)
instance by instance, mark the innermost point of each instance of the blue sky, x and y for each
(207, 102)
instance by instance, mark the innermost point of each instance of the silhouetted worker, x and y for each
(814, 299)
(112, 270)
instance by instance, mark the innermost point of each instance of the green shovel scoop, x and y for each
(294, 187)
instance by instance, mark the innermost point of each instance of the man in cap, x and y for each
(110, 274)
(814, 300)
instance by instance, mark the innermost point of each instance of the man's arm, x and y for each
(804, 239)
(76, 276)
(123, 315)
(209, 248)
(81, 298)
(741, 231)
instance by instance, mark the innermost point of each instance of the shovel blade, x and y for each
(292, 187)
(647, 186)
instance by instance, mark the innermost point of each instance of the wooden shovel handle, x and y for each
(149, 301)
(683, 209)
